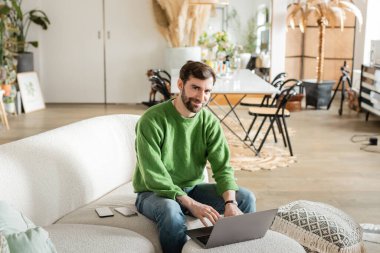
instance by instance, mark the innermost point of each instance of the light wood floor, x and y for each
(330, 167)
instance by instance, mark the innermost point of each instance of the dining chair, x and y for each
(273, 102)
(160, 81)
(267, 99)
(278, 114)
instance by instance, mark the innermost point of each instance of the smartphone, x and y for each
(125, 211)
(104, 212)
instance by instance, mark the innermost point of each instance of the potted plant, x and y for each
(23, 21)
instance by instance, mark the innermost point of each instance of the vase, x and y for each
(25, 62)
(10, 107)
(176, 57)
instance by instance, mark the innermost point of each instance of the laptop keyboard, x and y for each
(203, 239)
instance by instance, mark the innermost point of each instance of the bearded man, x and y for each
(174, 140)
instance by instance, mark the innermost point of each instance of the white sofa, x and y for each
(59, 177)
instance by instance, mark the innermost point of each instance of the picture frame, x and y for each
(31, 95)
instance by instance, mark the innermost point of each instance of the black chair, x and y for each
(160, 82)
(277, 82)
(278, 114)
(272, 102)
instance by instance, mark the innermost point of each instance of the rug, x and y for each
(273, 155)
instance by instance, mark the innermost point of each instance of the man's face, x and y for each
(195, 93)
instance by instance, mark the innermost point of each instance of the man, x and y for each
(174, 140)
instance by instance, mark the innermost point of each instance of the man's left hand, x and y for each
(232, 210)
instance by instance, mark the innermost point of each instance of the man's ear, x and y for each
(180, 84)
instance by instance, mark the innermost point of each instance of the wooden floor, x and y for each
(330, 167)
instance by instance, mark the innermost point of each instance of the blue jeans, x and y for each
(170, 215)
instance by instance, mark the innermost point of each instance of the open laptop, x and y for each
(234, 229)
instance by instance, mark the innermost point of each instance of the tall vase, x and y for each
(176, 57)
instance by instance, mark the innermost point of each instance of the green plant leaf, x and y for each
(4, 10)
(33, 43)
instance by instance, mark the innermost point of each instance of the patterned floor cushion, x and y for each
(319, 227)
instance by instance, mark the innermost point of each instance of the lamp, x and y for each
(327, 13)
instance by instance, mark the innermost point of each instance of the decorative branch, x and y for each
(180, 22)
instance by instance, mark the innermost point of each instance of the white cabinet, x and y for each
(98, 51)
(72, 53)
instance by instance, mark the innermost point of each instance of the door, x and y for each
(72, 52)
(133, 45)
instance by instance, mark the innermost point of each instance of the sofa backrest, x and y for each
(50, 174)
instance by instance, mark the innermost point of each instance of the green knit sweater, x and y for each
(172, 152)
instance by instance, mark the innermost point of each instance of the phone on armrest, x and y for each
(125, 211)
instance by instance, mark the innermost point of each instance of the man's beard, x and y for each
(189, 105)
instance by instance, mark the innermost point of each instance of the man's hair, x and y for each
(197, 70)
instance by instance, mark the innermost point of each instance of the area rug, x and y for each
(273, 155)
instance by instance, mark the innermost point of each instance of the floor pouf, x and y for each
(82, 238)
(272, 242)
(319, 227)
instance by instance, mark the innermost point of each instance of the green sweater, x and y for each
(172, 152)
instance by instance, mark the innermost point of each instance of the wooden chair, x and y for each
(278, 114)
(3, 113)
(273, 102)
(277, 82)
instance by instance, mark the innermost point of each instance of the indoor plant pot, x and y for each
(176, 57)
(318, 93)
(25, 62)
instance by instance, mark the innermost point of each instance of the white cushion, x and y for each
(74, 238)
(272, 242)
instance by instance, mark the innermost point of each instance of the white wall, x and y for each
(369, 31)
(372, 30)
(278, 37)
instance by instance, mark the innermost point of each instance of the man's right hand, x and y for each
(199, 210)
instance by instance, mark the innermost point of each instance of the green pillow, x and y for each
(21, 234)
(32, 240)
(12, 220)
(3, 244)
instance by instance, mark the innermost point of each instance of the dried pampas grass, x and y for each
(179, 22)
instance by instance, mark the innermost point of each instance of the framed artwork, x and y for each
(31, 95)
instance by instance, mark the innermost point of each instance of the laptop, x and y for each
(234, 229)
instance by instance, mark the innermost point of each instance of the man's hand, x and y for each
(232, 210)
(199, 210)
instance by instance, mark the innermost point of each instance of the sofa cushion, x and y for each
(319, 227)
(21, 234)
(70, 238)
(272, 242)
(122, 196)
